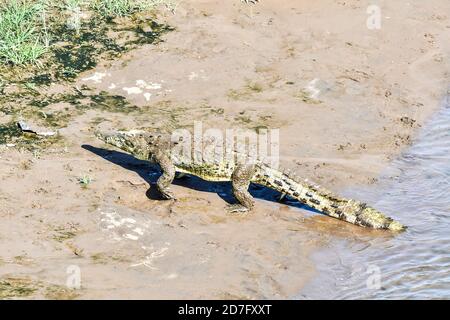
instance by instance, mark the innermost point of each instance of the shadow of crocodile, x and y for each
(150, 173)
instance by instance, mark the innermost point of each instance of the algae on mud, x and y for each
(72, 51)
(16, 288)
(9, 131)
(10, 134)
(25, 288)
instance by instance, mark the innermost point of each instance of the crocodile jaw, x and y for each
(128, 141)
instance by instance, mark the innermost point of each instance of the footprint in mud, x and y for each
(428, 66)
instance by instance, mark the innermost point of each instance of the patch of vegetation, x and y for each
(56, 292)
(246, 92)
(104, 258)
(108, 102)
(119, 8)
(85, 181)
(234, 94)
(23, 33)
(260, 128)
(243, 119)
(99, 258)
(80, 49)
(76, 35)
(64, 235)
(73, 5)
(28, 29)
(23, 260)
(57, 119)
(255, 87)
(256, 122)
(65, 232)
(16, 288)
(219, 111)
(11, 134)
(32, 107)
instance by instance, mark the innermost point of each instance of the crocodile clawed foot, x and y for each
(237, 208)
(281, 198)
(167, 195)
(180, 175)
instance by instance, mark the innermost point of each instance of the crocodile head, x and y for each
(135, 142)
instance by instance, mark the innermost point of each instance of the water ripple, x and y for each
(415, 264)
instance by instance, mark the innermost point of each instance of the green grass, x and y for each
(114, 8)
(23, 35)
(85, 181)
(121, 8)
(74, 5)
(118, 8)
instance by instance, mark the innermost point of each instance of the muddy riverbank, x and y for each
(347, 100)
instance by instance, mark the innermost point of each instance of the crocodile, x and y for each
(156, 148)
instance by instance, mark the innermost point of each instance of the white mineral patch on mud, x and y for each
(130, 236)
(122, 227)
(148, 86)
(142, 87)
(147, 96)
(132, 90)
(200, 75)
(96, 77)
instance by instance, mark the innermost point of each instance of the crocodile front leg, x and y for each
(168, 174)
(240, 180)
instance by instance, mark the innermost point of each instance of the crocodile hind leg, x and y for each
(240, 180)
(168, 174)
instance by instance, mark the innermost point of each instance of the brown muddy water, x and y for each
(416, 263)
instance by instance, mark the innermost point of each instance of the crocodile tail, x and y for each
(326, 202)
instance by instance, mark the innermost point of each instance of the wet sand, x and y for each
(347, 100)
